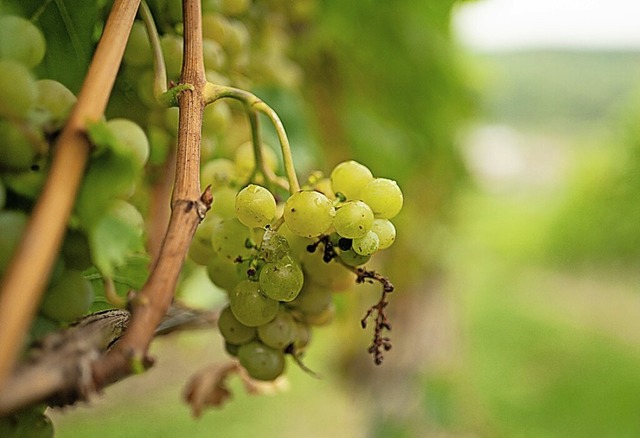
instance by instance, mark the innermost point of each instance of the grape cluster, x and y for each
(261, 250)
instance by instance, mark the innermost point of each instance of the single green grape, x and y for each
(216, 118)
(214, 27)
(353, 219)
(279, 332)
(385, 231)
(54, 102)
(213, 54)
(69, 298)
(321, 318)
(236, 39)
(349, 177)
(383, 196)
(282, 280)
(172, 49)
(250, 306)
(138, 51)
(312, 299)
(12, 226)
(16, 150)
(28, 183)
(260, 361)
(330, 275)
(21, 41)
(352, 258)
(223, 273)
(159, 145)
(224, 202)
(229, 238)
(367, 244)
(303, 336)
(245, 160)
(201, 250)
(18, 92)
(132, 139)
(232, 330)
(308, 213)
(255, 206)
(218, 173)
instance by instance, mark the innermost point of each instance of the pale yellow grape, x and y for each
(385, 231)
(224, 203)
(308, 213)
(218, 173)
(349, 177)
(245, 159)
(255, 206)
(383, 196)
(132, 138)
(367, 244)
(353, 219)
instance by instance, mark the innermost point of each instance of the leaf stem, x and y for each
(159, 67)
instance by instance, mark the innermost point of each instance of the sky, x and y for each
(491, 25)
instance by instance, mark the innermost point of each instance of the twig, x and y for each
(129, 355)
(26, 277)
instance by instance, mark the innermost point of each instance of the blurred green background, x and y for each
(517, 309)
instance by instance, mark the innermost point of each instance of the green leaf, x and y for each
(69, 27)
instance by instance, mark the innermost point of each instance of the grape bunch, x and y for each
(262, 250)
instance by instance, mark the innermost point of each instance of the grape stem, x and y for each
(254, 104)
(159, 67)
(25, 278)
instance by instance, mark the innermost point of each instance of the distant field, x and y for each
(557, 89)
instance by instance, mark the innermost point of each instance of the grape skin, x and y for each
(233, 331)
(250, 306)
(279, 332)
(383, 196)
(69, 298)
(260, 361)
(385, 231)
(367, 244)
(308, 213)
(18, 91)
(349, 177)
(282, 280)
(255, 206)
(21, 41)
(354, 219)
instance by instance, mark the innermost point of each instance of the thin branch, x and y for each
(26, 277)
(129, 355)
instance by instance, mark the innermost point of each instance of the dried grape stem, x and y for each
(26, 277)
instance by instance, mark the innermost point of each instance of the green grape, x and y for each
(246, 161)
(312, 299)
(279, 332)
(234, 7)
(75, 250)
(201, 250)
(213, 53)
(331, 275)
(231, 349)
(352, 258)
(69, 298)
(29, 182)
(324, 186)
(214, 27)
(349, 177)
(223, 273)
(218, 173)
(282, 280)
(12, 226)
(353, 219)
(321, 318)
(367, 244)
(385, 231)
(250, 306)
(308, 213)
(302, 337)
(260, 361)
(255, 206)
(144, 90)
(274, 246)
(224, 203)
(132, 138)
(54, 102)
(297, 244)
(172, 50)
(159, 145)
(236, 38)
(27, 423)
(21, 41)
(16, 151)
(383, 196)
(18, 91)
(138, 51)
(232, 330)
(216, 118)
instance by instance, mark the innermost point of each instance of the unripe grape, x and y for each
(303, 336)
(75, 250)
(201, 250)
(132, 139)
(18, 91)
(385, 231)
(224, 203)
(353, 219)
(138, 51)
(216, 118)
(245, 159)
(312, 299)
(236, 39)
(127, 214)
(279, 332)
(232, 330)
(308, 213)
(282, 280)
(367, 244)
(229, 238)
(250, 306)
(274, 246)
(69, 298)
(234, 7)
(213, 54)
(255, 206)
(260, 361)
(330, 275)
(349, 177)
(172, 49)
(223, 273)
(218, 173)
(16, 151)
(383, 196)
(21, 41)
(28, 183)
(214, 27)
(54, 102)
(352, 258)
